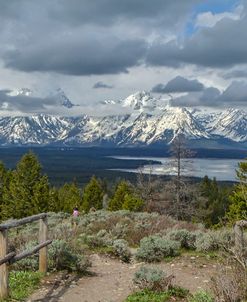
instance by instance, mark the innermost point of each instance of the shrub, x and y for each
(63, 231)
(29, 263)
(213, 240)
(155, 248)
(148, 296)
(184, 237)
(101, 239)
(205, 243)
(201, 296)
(62, 257)
(121, 249)
(230, 282)
(152, 279)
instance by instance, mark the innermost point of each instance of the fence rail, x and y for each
(6, 259)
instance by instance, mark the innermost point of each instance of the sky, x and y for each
(192, 51)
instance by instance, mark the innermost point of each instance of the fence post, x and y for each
(43, 230)
(4, 286)
(239, 238)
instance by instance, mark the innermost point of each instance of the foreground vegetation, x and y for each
(154, 238)
(23, 283)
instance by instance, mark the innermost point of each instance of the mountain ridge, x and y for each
(148, 123)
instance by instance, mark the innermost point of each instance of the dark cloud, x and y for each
(206, 98)
(83, 37)
(85, 56)
(178, 84)
(235, 95)
(102, 85)
(23, 103)
(235, 74)
(223, 45)
(103, 12)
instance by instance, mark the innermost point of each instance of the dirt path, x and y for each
(111, 280)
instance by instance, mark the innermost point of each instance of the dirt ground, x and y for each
(111, 280)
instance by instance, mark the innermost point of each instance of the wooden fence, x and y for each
(6, 259)
(240, 244)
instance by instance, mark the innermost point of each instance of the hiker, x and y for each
(75, 212)
(75, 215)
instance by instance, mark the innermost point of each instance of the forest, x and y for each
(26, 190)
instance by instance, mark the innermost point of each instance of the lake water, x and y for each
(222, 169)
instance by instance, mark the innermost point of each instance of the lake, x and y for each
(222, 169)
(79, 164)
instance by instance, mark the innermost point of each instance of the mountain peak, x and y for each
(140, 100)
(63, 99)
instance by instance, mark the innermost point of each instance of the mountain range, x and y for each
(146, 121)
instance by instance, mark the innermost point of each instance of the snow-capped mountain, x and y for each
(231, 123)
(148, 123)
(58, 95)
(62, 98)
(140, 101)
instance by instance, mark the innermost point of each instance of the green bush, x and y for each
(62, 257)
(213, 240)
(152, 279)
(155, 248)
(149, 296)
(101, 239)
(205, 243)
(121, 249)
(201, 296)
(29, 263)
(152, 296)
(184, 237)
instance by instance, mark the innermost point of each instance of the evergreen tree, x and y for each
(28, 190)
(238, 206)
(69, 196)
(3, 184)
(54, 204)
(132, 203)
(92, 195)
(216, 201)
(117, 201)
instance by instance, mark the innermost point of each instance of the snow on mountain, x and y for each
(21, 91)
(140, 101)
(62, 99)
(231, 124)
(146, 124)
(38, 129)
(59, 96)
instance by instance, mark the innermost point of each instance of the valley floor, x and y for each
(111, 280)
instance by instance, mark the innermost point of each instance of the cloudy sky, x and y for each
(194, 51)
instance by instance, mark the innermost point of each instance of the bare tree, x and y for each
(180, 162)
(148, 187)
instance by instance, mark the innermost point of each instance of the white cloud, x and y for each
(208, 19)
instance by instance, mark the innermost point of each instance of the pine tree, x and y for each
(215, 201)
(69, 196)
(238, 207)
(28, 190)
(92, 195)
(132, 203)
(3, 184)
(54, 204)
(117, 201)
